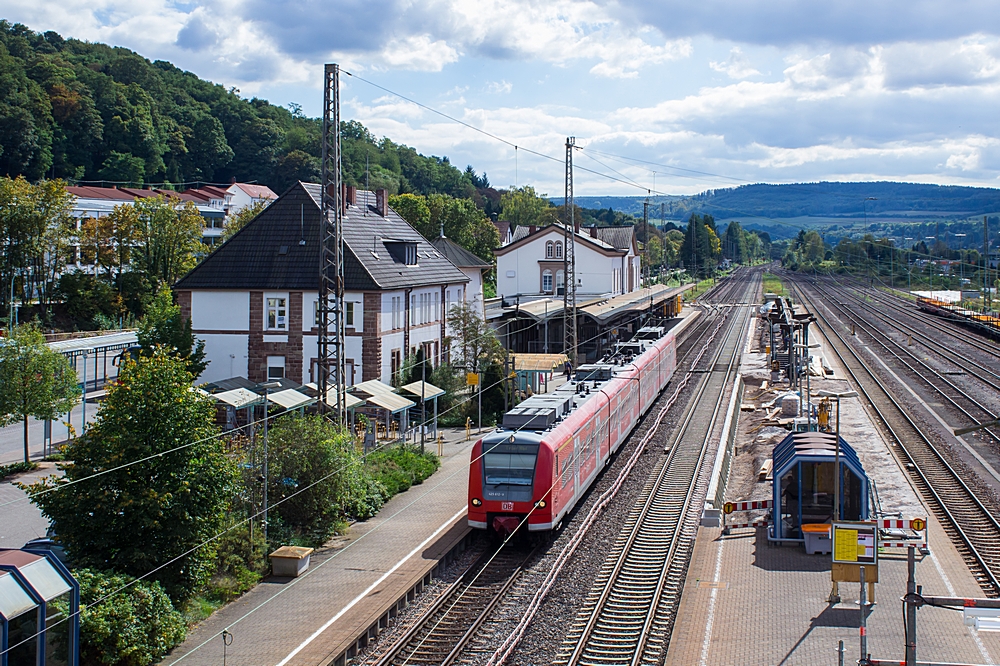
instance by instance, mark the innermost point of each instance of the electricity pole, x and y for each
(569, 260)
(331, 252)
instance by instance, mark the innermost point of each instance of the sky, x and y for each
(668, 96)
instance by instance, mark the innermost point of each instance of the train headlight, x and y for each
(476, 501)
(541, 504)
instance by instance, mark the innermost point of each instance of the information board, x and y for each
(855, 543)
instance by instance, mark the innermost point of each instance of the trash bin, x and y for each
(291, 561)
(817, 538)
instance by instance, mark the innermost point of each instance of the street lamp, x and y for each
(836, 486)
(267, 386)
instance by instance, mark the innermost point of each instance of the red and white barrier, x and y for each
(734, 507)
(917, 526)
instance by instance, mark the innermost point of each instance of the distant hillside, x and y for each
(816, 200)
(91, 112)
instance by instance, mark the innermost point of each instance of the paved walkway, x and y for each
(286, 622)
(21, 521)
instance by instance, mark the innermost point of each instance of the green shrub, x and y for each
(240, 562)
(85, 297)
(399, 468)
(16, 468)
(311, 455)
(135, 627)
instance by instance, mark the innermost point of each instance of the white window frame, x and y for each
(275, 363)
(558, 250)
(349, 313)
(547, 277)
(549, 250)
(278, 305)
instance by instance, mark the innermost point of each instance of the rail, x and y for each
(968, 522)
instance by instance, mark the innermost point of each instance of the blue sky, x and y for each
(738, 90)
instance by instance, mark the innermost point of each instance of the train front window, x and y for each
(510, 464)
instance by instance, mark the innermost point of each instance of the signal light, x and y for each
(476, 501)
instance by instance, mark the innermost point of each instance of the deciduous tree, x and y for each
(36, 381)
(138, 518)
(164, 326)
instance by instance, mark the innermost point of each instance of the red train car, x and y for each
(551, 447)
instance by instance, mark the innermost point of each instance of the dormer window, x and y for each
(404, 252)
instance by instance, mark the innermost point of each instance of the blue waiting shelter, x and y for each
(39, 610)
(803, 490)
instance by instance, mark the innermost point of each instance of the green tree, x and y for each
(165, 326)
(243, 216)
(36, 381)
(138, 518)
(413, 208)
(463, 223)
(123, 169)
(521, 206)
(654, 251)
(168, 238)
(474, 343)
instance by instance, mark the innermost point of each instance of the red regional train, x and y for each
(551, 447)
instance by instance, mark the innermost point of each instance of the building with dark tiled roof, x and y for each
(254, 299)
(472, 266)
(531, 265)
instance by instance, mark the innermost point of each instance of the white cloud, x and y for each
(499, 87)
(736, 66)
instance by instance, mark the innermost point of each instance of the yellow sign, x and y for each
(918, 524)
(471, 379)
(728, 507)
(855, 543)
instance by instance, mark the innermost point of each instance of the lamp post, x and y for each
(836, 485)
(267, 386)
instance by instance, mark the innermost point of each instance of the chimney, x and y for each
(532, 228)
(232, 181)
(352, 195)
(593, 232)
(382, 202)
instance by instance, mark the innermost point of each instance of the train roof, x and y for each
(544, 411)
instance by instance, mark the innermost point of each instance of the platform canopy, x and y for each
(350, 401)
(538, 362)
(238, 398)
(424, 390)
(637, 300)
(373, 387)
(391, 402)
(290, 399)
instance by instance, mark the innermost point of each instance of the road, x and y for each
(12, 437)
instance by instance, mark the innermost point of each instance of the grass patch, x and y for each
(16, 468)
(699, 289)
(399, 468)
(772, 284)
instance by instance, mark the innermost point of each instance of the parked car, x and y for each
(49, 544)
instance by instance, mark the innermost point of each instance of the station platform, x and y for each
(313, 619)
(748, 601)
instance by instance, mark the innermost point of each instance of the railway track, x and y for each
(447, 626)
(629, 614)
(948, 389)
(966, 520)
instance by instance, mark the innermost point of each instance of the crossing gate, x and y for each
(730, 508)
(903, 533)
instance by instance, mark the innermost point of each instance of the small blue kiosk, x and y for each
(803, 490)
(34, 631)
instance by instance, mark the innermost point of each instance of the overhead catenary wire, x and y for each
(259, 514)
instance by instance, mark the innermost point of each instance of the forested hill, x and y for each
(824, 199)
(89, 112)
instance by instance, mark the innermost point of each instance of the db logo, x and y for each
(506, 506)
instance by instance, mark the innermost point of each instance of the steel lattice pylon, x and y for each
(569, 260)
(330, 350)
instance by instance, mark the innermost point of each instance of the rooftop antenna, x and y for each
(331, 269)
(302, 224)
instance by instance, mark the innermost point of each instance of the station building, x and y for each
(254, 299)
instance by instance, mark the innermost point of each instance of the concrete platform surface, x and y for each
(296, 622)
(747, 602)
